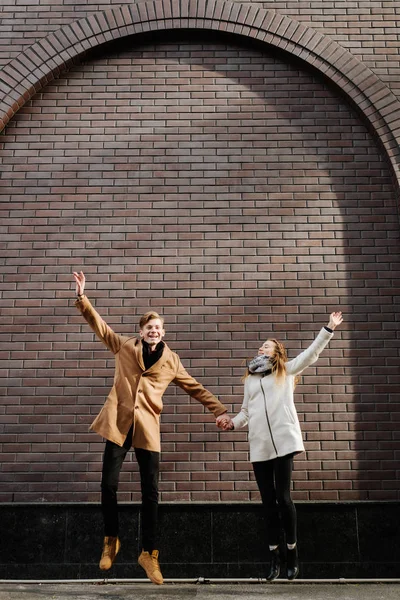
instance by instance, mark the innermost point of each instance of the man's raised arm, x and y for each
(99, 326)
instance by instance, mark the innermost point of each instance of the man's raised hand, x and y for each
(80, 283)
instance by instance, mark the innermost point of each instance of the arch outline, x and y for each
(47, 58)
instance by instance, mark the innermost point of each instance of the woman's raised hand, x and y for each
(80, 283)
(335, 319)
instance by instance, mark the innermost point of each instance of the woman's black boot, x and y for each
(292, 563)
(275, 565)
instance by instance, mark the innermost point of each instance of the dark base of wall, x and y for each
(350, 540)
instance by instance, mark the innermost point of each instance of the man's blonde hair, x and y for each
(149, 316)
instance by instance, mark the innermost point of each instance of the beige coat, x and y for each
(136, 396)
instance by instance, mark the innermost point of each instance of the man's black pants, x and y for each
(149, 462)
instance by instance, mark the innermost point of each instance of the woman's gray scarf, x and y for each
(260, 364)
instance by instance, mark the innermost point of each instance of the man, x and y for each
(130, 417)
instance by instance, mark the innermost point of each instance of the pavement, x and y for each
(299, 590)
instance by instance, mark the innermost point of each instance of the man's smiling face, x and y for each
(153, 332)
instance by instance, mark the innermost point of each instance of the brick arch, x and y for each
(46, 59)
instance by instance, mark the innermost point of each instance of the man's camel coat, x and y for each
(136, 396)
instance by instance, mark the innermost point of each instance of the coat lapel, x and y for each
(138, 350)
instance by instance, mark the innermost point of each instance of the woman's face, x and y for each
(267, 348)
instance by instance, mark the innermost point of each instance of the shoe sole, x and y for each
(151, 578)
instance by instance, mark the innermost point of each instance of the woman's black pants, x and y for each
(274, 479)
(149, 463)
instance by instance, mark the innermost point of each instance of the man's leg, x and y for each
(113, 459)
(149, 464)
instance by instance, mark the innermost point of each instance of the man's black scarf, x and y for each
(149, 357)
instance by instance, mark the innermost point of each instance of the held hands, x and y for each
(224, 422)
(80, 283)
(335, 319)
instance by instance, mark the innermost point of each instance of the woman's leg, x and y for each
(264, 474)
(283, 468)
(283, 478)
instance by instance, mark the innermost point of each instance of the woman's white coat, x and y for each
(268, 407)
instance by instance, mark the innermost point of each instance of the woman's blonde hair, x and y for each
(278, 360)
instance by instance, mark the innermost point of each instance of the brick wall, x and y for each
(240, 196)
(244, 197)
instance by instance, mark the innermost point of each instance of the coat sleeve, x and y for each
(197, 391)
(242, 418)
(310, 355)
(110, 339)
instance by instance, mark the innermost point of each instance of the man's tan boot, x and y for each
(150, 564)
(111, 548)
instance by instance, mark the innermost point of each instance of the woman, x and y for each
(275, 436)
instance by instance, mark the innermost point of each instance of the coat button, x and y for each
(136, 408)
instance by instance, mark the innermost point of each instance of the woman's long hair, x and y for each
(278, 360)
